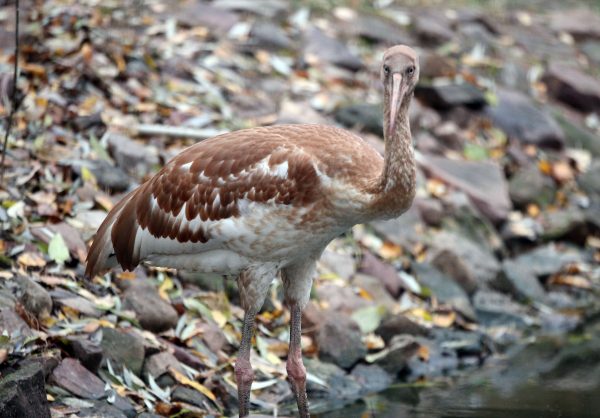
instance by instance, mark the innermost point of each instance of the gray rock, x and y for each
(323, 48)
(339, 340)
(452, 265)
(78, 380)
(339, 385)
(478, 264)
(340, 264)
(107, 175)
(578, 136)
(265, 34)
(567, 223)
(447, 96)
(34, 297)
(88, 352)
(7, 299)
(431, 210)
(154, 313)
(497, 309)
(432, 30)
(518, 278)
(22, 392)
(123, 349)
(405, 230)
(517, 115)
(444, 288)
(434, 65)
(371, 377)
(63, 297)
(158, 366)
(399, 324)
(190, 396)
(375, 28)
(483, 182)
(395, 357)
(14, 324)
(572, 86)
(361, 115)
(133, 157)
(375, 288)
(592, 50)
(590, 180)
(439, 362)
(531, 186)
(386, 273)
(341, 298)
(102, 409)
(193, 14)
(580, 22)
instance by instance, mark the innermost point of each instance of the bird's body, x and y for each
(260, 201)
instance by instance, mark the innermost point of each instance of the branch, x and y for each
(13, 108)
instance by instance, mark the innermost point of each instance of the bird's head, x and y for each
(399, 74)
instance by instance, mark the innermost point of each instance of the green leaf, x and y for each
(368, 318)
(58, 250)
(475, 152)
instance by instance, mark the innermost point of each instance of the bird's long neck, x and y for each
(395, 187)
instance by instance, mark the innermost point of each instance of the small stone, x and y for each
(395, 357)
(399, 324)
(88, 352)
(497, 309)
(75, 378)
(341, 298)
(592, 50)
(154, 313)
(581, 23)
(590, 180)
(340, 264)
(531, 186)
(339, 385)
(13, 324)
(483, 182)
(158, 367)
(572, 86)
(434, 65)
(373, 266)
(107, 175)
(190, 396)
(519, 279)
(446, 96)
(375, 288)
(569, 223)
(361, 115)
(519, 118)
(431, 210)
(214, 337)
(323, 48)
(339, 341)
(102, 409)
(265, 34)
(371, 377)
(133, 157)
(34, 297)
(123, 349)
(440, 361)
(432, 30)
(22, 392)
(63, 297)
(444, 289)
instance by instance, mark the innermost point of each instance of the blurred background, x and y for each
(481, 300)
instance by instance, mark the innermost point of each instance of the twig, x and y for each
(175, 131)
(13, 107)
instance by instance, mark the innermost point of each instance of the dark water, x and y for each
(546, 377)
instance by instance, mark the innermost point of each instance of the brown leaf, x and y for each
(31, 259)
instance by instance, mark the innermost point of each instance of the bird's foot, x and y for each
(297, 377)
(244, 376)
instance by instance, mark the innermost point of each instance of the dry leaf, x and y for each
(423, 353)
(31, 259)
(192, 383)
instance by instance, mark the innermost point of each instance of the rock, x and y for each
(102, 409)
(572, 86)
(477, 264)
(205, 281)
(578, 136)
(569, 223)
(432, 30)
(446, 96)
(340, 264)
(22, 392)
(592, 50)
(361, 115)
(7, 299)
(548, 259)
(154, 313)
(70, 235)
(431, 210)
(339, 340)
(341, 298)
(265, 34)
(190, 396)
(158, 366)
(444, 289)
(371, 377)
(399, 324)
(529, 185)
(440, 361)
(78, 380)
(322, 48)
(434, 65)
(518, 279)
(214, 337)
(107, 175)
(590, 180)
(88, 352)
(496, 309)
(465, 343)
(519, 118)
(374, 267)
(580, 23)
(375, 288)
(64, 297)
(405, 230)
(13, 324)
(374, 28)
(483, 182)
(133, 157)
(395, 357)
(194, 14)
(339, 385)
(123, 349)
(450, 136)
(34, 297)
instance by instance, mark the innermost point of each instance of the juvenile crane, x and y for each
(260, 201)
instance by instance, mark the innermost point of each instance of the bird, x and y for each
(264, 202)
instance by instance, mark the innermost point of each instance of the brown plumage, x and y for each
(261, 201)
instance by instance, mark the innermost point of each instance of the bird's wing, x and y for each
(181, 209)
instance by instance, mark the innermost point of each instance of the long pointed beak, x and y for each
(397, 94)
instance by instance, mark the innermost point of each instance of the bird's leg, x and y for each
(295, 367)
(244, 375)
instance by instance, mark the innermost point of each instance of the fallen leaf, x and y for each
(443, 320)
(31, 259)
(192, 383)
(423, 353)
(58, 250)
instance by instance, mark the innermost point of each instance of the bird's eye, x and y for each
(386, 70)
(410, 70)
